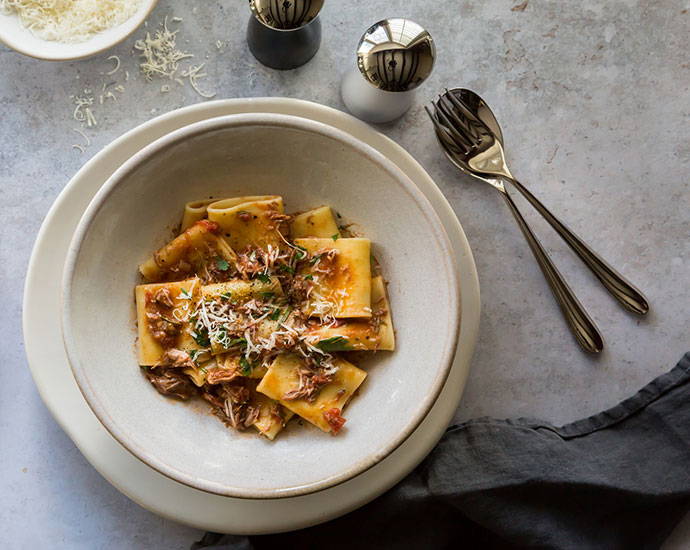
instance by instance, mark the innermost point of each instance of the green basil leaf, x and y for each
(336, 343)
(222, 264)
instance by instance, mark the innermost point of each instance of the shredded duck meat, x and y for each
(218, 375)
(162, 327)
(171, 383)
(162, 296)
(299, 288)
(278, 219)
(324, 262)
(310, 382)
(232, 404)
(250, 262)
(175, 358)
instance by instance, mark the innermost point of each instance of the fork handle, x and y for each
(582, 326)
(619, 287)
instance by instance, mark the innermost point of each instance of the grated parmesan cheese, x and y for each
(82, 112)
(159, 53)
(161, 57)
(194, 74)
(116, 59)
(70, 20)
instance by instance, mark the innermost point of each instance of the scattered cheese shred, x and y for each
(160, 56)
(81, 148)
(116, 59)
(82, 134)
(82, 112)
(70, 20)
(194, 74)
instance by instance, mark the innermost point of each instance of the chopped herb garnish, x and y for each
(315, 259)
(195, 353)
(276, 314)
(184, 295)
(222, 264)
(335, 237)
(247, 367)
(263, 277)
(287, 314)
(286, 269)
(236, 342)
(337, 343)
(300, 252)
(201, 338)
(268, 295)
(309, 277)
(226, 295)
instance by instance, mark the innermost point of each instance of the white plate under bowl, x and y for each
(309, 164)
(19, 38)
(150, 489)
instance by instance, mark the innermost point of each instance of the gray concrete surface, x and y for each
(593, 97)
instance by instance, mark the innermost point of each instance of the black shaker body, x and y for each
(283, 49)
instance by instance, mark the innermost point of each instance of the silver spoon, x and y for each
(457, 143)
(494, 165)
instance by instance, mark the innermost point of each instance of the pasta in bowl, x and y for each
(283, 324)
(254, 311)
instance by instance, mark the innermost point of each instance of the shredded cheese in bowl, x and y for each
(70, 21)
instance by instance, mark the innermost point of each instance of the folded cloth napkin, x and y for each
(618, 479)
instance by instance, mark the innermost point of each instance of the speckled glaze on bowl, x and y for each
(310, 164)
(19, 38)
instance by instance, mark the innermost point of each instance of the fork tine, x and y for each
(443, 135)
(455, 130)
(432, 116)
(464, 122)
(460, 104)
(449, 142)
(477, 126)
(442, 132)
(459, 124)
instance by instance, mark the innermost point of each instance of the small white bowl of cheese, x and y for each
(63, 30)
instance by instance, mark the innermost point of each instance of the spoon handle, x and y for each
(621, 289)
(581, 324)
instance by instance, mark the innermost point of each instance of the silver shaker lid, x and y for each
(285, 14)
(396, 55)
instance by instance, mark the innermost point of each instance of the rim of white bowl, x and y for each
(67, 51)
(238, 120)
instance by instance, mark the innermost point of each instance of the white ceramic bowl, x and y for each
(21, 39)
(310, 164)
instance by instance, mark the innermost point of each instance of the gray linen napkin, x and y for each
(618, 479)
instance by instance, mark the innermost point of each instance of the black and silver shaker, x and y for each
(284, 34)
(394, 57)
